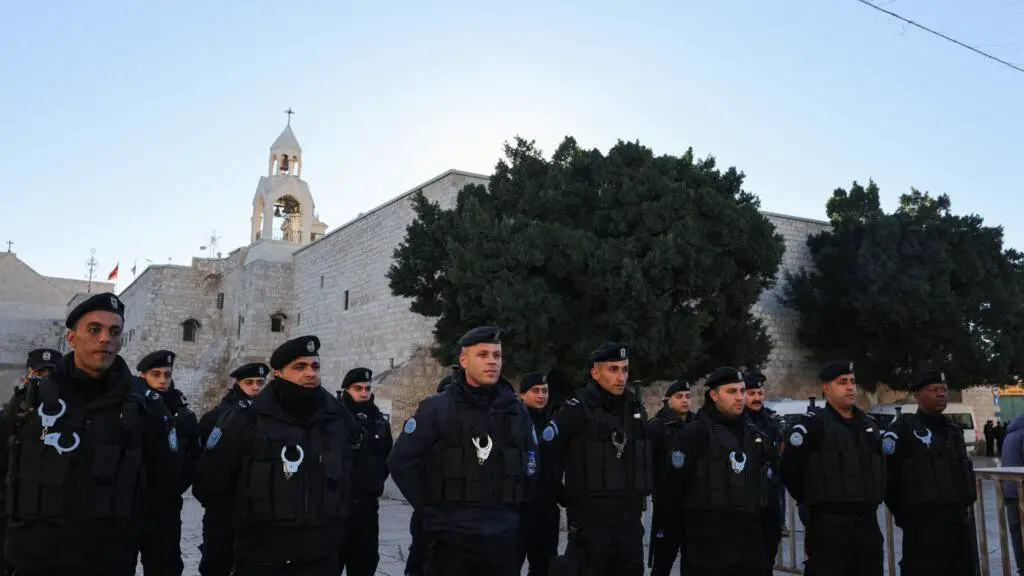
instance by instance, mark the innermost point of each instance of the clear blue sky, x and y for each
(137, 128)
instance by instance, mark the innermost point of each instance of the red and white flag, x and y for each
(113, 273)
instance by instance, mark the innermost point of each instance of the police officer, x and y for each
(418, 545)
(359, 555)
(467, 459)
(931, 484)
(832, 463)
(599, 436)
(217, 547)
(84, 454)
(160, 543)
(40, 363)
(770, 426)
(285, 463)
(668, 534)
(718, 473)
(539, 524)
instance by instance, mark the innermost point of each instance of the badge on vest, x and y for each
(926, 439)
(290, 467)
(619, 441)
(531, 463)
(53, 439)
(549, 432)
(888, 446)
(737, 465)
(214, 437)
(172, 439)
(410, 426)
(483, 451)
(678, 459)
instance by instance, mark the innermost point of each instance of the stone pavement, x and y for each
(394, 532)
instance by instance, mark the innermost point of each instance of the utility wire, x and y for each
(943, 36)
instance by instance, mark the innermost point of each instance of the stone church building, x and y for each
(294, 278)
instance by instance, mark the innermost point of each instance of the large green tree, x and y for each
(665, 253)
(914, 288)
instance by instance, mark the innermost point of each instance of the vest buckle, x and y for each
(619, 441)
(483, 452)
(53, 439)
(737, 465)
(50, 419)
(291, 466)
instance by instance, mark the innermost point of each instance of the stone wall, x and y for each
(398, 391)
(791, 374)
(377, 330)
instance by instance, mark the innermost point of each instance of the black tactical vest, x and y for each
(100, 478)
(313, 492)
(847, 467)
(732, 477)
(370, 444)
(595, 466)
(935, 472)
(455, 472)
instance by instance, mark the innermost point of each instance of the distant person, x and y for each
(990, 438)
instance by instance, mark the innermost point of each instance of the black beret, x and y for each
(481, 335)
(158, 359)
(754, 379)
(356, 375)
(295, 348)
(677, 386)
(834, 370)
(926, 377)
(723, 376)
(43, 358)
(106, 302)
(253, 370)
(610, 352)
(532, 379)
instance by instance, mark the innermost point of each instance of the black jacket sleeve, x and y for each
(801, 442)
(418, 436)
(216, 475)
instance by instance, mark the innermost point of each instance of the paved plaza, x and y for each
(394, 532)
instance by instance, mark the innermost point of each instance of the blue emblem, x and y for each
(888, 445)
(550, 432)
(660, 534)
(410, 426)
(214, 437)
(172, 439)
(796, 439)
(678, 458)
(531, 463)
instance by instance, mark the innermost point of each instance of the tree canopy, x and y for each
(665, 253)
(920, 287)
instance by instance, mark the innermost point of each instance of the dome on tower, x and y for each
(286, 143)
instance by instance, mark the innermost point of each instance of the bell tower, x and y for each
(283, 209)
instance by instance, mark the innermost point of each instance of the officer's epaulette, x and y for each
(136, 398)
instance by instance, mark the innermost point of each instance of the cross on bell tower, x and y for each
(289, 112)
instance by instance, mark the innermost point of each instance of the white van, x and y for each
(788, 409)
(960, 413)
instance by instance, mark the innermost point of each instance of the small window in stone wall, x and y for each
(298, 319)
(220, 301)
(321, 281)
(189, 330)
(239, 325)
(346, 299)
(277, 322)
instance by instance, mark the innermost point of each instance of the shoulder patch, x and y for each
(410, 426)
(678, 458)
(550, 432)
(214, 437)
(572, 401)
(796, 439)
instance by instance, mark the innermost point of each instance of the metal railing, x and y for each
(791, 557)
